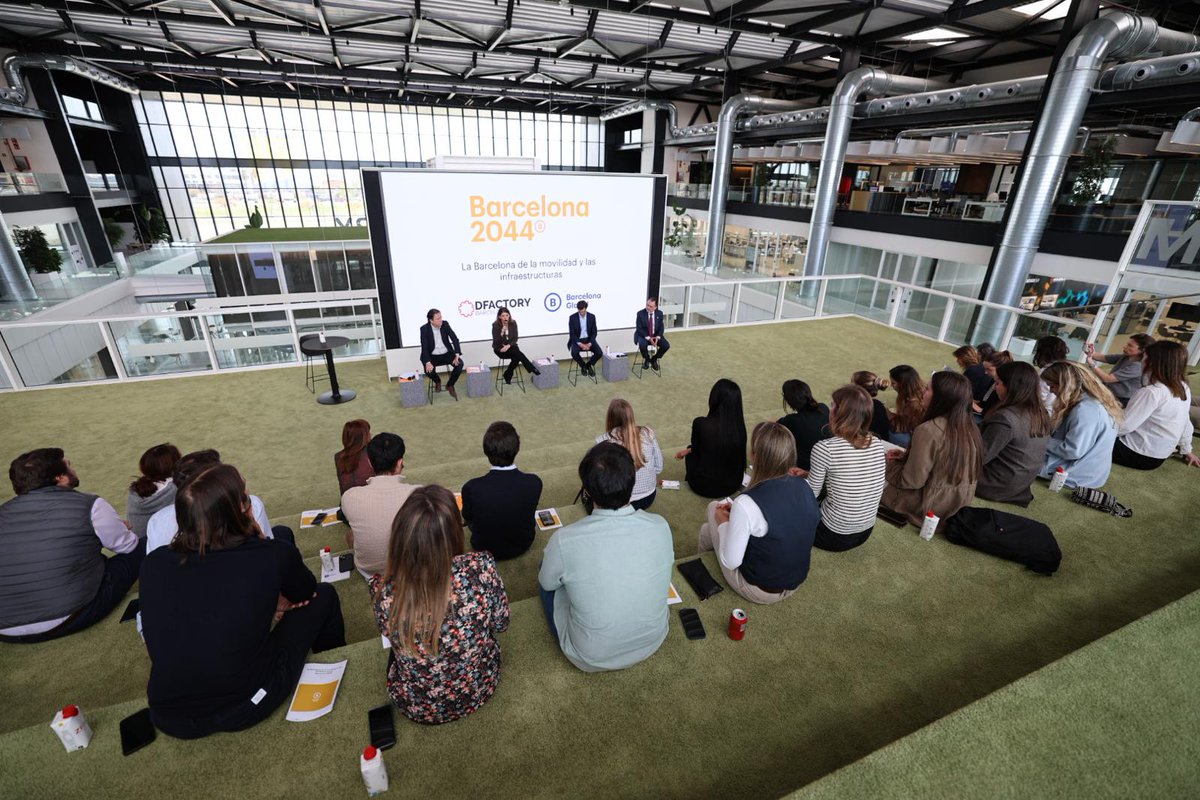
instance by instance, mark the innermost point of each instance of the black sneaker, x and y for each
(654, 365)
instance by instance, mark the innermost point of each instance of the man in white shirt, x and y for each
(371, 509)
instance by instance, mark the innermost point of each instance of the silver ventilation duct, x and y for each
(16, 63)
(865, 80)
(15, 283)
(638, 106)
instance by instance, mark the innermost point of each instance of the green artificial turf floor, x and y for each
(878, 643)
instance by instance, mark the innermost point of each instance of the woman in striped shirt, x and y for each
(849, 469)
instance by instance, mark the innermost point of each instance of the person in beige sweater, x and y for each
(939, 470)
(371, 509)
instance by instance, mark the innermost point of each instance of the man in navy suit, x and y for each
(440, 347)
(581, 339)
(648, 333)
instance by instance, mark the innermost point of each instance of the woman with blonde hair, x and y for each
(641, 443)
(1156, 419)
(1086, 416)
(440, 609)
(764, 537)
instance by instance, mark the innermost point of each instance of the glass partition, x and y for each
(160, 345)
(246, 340)
(710, 305)
(757, 301)
(67, 353)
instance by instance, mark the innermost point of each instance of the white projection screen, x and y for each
(467, 243)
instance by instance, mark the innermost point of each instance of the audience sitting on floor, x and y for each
(54, 578)
(1015, 434)
(764, 538)
(153, 490)
(208, 602)
(604, 579)
(1125, 378)
(881, 420)
(1156, 420)
(991, 399)
(939, 471)
(1085, 419)
(370, 509)
(848, 473)
(910, 403)
(440, 609)
(641, 443)
(1046, 351)
(808, 422)
(351, 462)
(970, 361)
(715, 460)
(499, 506)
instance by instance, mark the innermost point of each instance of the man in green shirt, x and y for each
(604, 579)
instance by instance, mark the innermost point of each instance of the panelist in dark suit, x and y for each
(581, 339)
(504, 344)
(440, 347)
(498, 507)
(648, 332)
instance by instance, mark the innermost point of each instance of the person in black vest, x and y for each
(499, 506)
(764, 538)
(581, 339)
(439, 348)
(648, 332)
(54, 578)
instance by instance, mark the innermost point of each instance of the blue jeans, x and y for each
(548, 608)
(900, 439)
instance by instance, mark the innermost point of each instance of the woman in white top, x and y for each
(641, 443)
(1156, 419)
(849, 469)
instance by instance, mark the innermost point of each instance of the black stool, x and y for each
(636, 366)
(310, 374)
(518, 376)
(429, 382)
(574, 373)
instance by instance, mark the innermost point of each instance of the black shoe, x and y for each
(535, 371)
(645, 365)
(654, 365)
(508, 378)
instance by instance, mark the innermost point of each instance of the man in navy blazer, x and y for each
(648, 332)
(440, 347)
(581, 339)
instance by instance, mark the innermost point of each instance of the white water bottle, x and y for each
(374, 773)
(321, 337)
(1059, 480)
(326, 561)
(929, 525)
(72, 729)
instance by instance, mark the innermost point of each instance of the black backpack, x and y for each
(1009, 536)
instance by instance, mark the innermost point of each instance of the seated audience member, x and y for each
(910, 403)
(764, 538)
(1015, 434)
(581, 339)
(881, 424)
(604, 579)
(971, 363)
(504, 345)
(991, 399)
(1085, 419)
(1046, 351)
(808, 422)
(441, 609)
(499, 506)
(208, 601)
(440, 348)
(641, 443)
(648, 332)
(939, 471)
(370, 509)
(715, 461)
(1126, 375)
(153, 490)
(163, 526)
(985, 351)
(848, 469)
(1156, 419)
(55, 579)
(353, 466)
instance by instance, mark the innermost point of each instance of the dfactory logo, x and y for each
(467, 308)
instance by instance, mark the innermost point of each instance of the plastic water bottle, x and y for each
(321, 337)
(1059, 480)
(929, 525)
(72, 729)
(326, 561)
(374, 773)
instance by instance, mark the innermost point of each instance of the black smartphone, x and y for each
(693, 628)
(894, 517)
(345, 562)
(131, 610)
(319, 518)
(546, 518)
(383, 731)
(137, 731)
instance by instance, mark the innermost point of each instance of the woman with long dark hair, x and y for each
(939, 471)
(440, 609)
(353, 466)
(991, 399)
(716, 458)
(153, 490)
(1085, 419)
(1015, 434)
(504, 345)
(910, 403)
(970, 361)
(642, 444)
(808, 422)
(881, 420)
(208, 602)
(1126, 375)
(1156, 419)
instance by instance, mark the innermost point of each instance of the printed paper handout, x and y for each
(316, 691)
(547, 519)
(673, 595)
(308, 519)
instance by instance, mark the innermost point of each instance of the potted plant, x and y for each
(39, 257)
(1093, 170)
(155, 225)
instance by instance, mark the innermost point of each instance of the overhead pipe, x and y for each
(15, 64)
(14, 279)
(638, 106)
(864, 80)
(1117, 35)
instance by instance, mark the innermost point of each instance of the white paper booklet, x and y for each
(316, 691)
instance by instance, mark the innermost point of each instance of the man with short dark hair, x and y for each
(604, 579)
(54, 578)
(499, 506)
(439, 348)
(581, 339)
(370, 509)
(648, 333)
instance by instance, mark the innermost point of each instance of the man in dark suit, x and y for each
(440, 347)
(499, 507)
(648, 333)
(581, 339)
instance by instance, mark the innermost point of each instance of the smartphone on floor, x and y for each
(137, 731)
(383, 729)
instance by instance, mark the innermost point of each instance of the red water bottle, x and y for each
(737, 624)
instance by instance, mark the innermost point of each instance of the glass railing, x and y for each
(31, 183)
(106, 181)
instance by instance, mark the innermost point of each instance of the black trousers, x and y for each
(839, 542)
(445, 359)
(515, 356)
(595, 355)
(663, 347)
(1128, 458)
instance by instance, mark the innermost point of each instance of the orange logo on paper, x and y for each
(314, 696)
